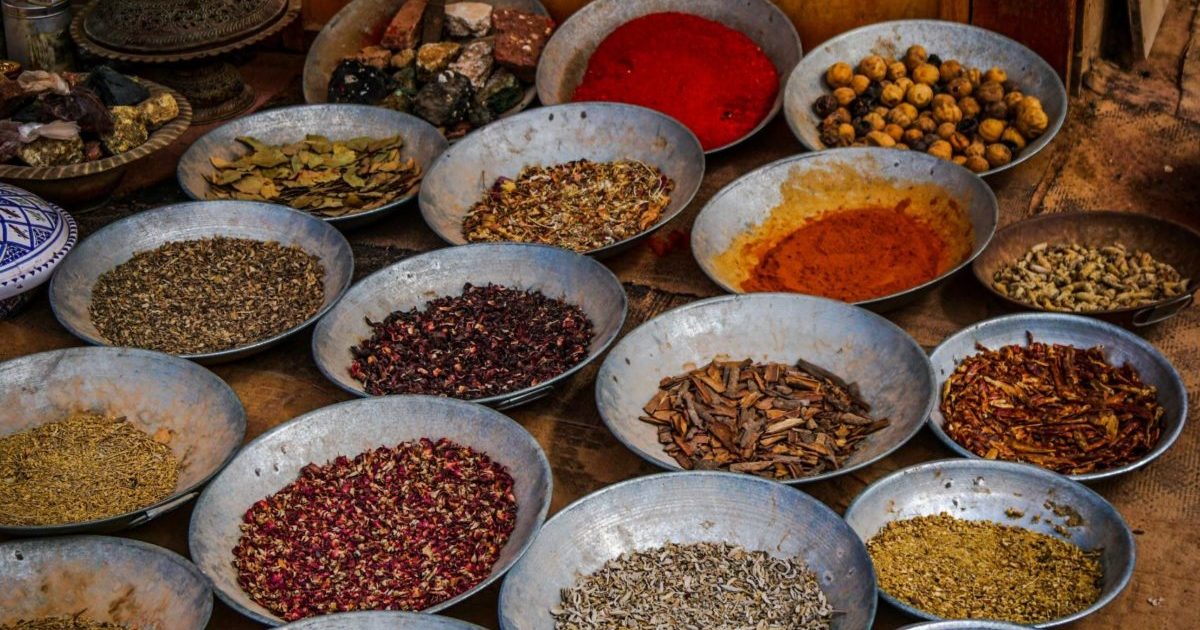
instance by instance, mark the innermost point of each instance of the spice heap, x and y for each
(400, 528)
(853, 255)
(770, 419)
(960, 569)
(712, 78)
(1081, 279)
(207, 295)
(326, 178)
(84, 468)
(51, 119)
(458, 66)
(701, 585)
(64, 623)
(487, 341)
(579, 205)
(978, 119)
(1060, 407)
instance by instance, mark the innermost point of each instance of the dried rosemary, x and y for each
(207, 295)
(64, 623)
(580, 205)
(83, 468)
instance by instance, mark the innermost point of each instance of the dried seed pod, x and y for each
(874, 67)
(919, 94)
(844, 95)
(899, 117)
(825, 105)
(967, 126)
(829, 136)
(959, 160)
(895, 131)
(859, 107)
(1012, 98)
(901, 146)
(925, 123)
(839, 74)
(990, 92)
(991, 129)
(976, 163)
(996, 110)
(946, 129)
(974, 76)
(846, 134)
(940, 148)
(920, 144)
(876, 121)
(942, 100)
(913, 136)
(904, 83)
(892, 95)
(882, 110)
(896, 70)
(997, 155)
(950, 70)
(926, 73)
(997, 74)
(947, 113)
(863, 126)
(830, 122)
(860, 83)
(976, 148)
(1031, 120)
(842, 114)
(909, 109)
(959, 142)
(872, 92)
(915, 56)
(1013, 139)
(969, 106)
(959, 87)
(880, 139)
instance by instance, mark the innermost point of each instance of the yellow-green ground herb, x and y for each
(64, 623)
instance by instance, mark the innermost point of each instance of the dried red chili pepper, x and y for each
(1060, 407)
(400, 528)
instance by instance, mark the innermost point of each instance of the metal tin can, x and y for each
(37, 33)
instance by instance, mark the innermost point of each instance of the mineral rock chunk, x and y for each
(434, 58)
(374, 56)
(445, 100)
(501, 93)
(404, 58)
(128, 131)
(475, 62)
(404, 29)
(114, 88)
(50, 152)
(520, 38)
(354, 82)
(158, 110)
(468, 19)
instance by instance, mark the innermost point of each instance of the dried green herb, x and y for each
(207, 295)
(580, 205)
(960, 569)
(326, 178)
(83, 468)
(64, 623)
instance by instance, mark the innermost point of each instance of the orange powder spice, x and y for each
(852, 255)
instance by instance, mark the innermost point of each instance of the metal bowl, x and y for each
(106, 579)
(986, 490)
(413, 282)
(361, 23)
(600, 132)
(381, 620)
(1167, 241)
(275, 458)
(845, 178)
(1120, 347)
(971, 45)
(964, 625)
(151, 389)
(565, 59)
(691, 507)
(891, 370)
(71, 286)
(422, 141)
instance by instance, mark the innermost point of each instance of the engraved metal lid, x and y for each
(171, 26)
(35, 235)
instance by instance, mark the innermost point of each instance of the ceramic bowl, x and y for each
(381, 620)
(35, 236)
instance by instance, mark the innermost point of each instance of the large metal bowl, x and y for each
(971, 45)
(964, 625)
(1120, 347)
(153, 390)
(601, 132)
(105, 579)
(413, 282)
(422, 142)
(845, 178)
(275, 458)
(361, 23)
(71, 286)
(381, 620)
(1167, 241)
(691, 507)
(987, 490)
(891, 370)
(566, 56)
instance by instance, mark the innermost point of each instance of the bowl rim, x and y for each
(498, 569)
(401, 118)
(1033, 320)
(931, 396)
(500, 401)
(83, 540)
(177, 498)
(1084, 215)
(426, 206)
(1004, 467)
(231, 353)
(160, 138)
(727, 189)
(1060, 90)
(549, 100)
(410, 620)
(660, 477)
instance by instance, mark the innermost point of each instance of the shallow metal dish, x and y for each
(106, 579)
(565, 59)
(601, 132)
(964, 625)
(422, 141)
(747, 202)
(71, 286)
(151, 389)
(691, 507)
(413, 282)
(861, 347)
(1120, 347)
(361, 23)
(971, 45)
(381, 620)
(985, 490)
(275, 458)
(1167, 241)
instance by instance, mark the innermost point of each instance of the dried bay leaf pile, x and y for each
(326, 178)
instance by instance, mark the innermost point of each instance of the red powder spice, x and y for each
(712, 78)
(852, 255)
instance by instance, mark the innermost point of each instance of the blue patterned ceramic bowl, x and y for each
(35, 235)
